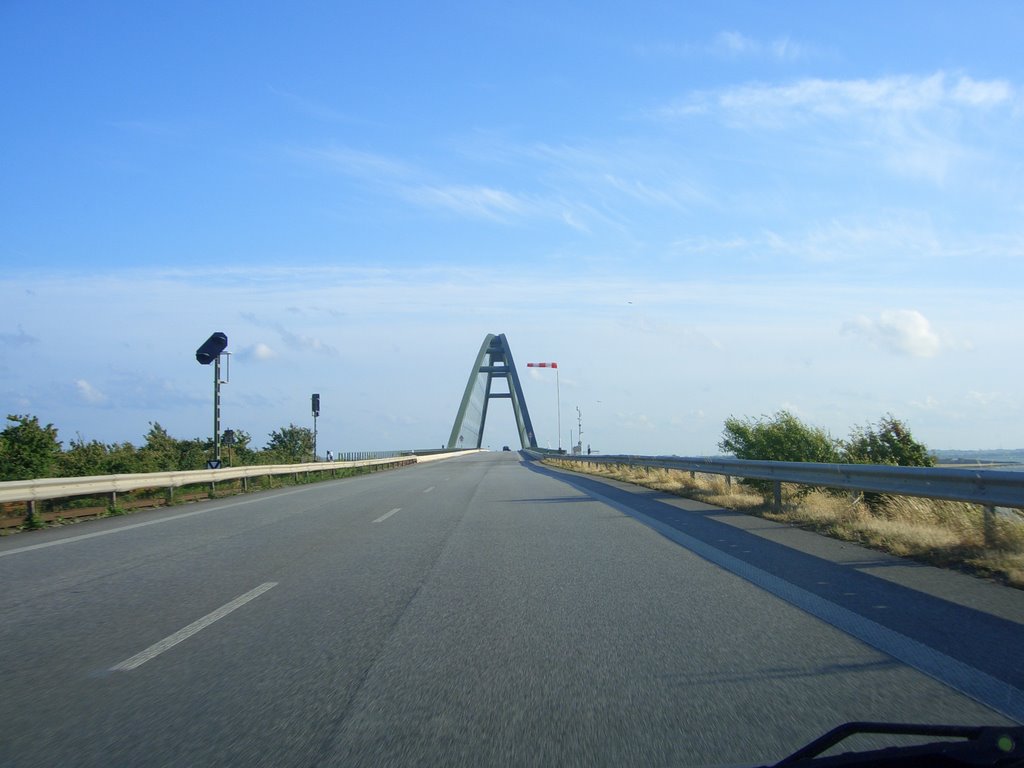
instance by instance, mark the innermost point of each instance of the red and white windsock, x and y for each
(542, 365)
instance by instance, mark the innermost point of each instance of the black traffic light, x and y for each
(212, 348)
(316, 405)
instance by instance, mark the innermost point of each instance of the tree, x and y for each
(28, 450)
(782, 437)
(290, 445)
(161, 453)
(84, 459)
(194, 453)
(888, 442)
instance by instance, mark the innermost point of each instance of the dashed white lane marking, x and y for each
(386, 515)
(183, 634)
(428, 490)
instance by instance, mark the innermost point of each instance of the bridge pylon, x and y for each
(494, 361)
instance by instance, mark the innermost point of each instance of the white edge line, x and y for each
(386, 515)
(980, 686)
(183, 634)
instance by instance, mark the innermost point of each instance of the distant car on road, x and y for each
(505, 448)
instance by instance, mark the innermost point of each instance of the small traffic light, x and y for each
(212, 348)
(316, 405)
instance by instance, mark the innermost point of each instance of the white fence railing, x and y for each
(45, 489)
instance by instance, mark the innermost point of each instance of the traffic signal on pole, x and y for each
(316, 405)
(212, 348)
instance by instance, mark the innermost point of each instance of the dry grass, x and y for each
(944, 533)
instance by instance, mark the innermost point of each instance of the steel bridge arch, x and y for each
(494, 361)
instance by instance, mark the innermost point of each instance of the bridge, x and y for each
(484, 609)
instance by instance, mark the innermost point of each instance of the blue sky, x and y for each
(697, 212)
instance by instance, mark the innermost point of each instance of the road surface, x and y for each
(482, 610)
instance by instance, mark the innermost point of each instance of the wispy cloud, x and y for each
(733, 44)
(737, 44)
(314, 108)
(88, 393)
(258, 351)
(900, 331)
(919, 126)
(291, 340)
(367, 166)
(18, 339)
(843, 99)
(472, 201)
(299, 342)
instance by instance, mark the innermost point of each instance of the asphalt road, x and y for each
(475, 611)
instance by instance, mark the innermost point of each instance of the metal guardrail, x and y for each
(994, 490)
(99, 485)
(47, 489)
(990, 488)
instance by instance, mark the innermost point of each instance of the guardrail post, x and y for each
(989, 525)
(170, 494)
(245, 484)
(113, 499)
(777, 497)
(728, 482)
(30, 514)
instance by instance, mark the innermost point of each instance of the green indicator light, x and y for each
(1005, 744)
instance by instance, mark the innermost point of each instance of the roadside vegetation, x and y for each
(30, 450)
(941, 533)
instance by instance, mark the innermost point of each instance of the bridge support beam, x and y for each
(494, 361)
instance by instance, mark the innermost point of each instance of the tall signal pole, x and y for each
(210, 352)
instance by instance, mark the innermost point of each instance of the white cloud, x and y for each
(738, 44)
(368, 166)
(982, 94)
(262, 352)
(299, 342)
(842, 99)
(258, 351)
(900, 331)
(693, 341)
(473, 201)
(88, 393)
(918, 126)
(732, 44)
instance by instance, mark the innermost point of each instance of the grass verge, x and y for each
(948, 534)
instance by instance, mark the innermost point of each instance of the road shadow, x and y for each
(979, 639)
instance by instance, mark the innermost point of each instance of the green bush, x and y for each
(27, 449)
(782, 437)
(888, 442)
